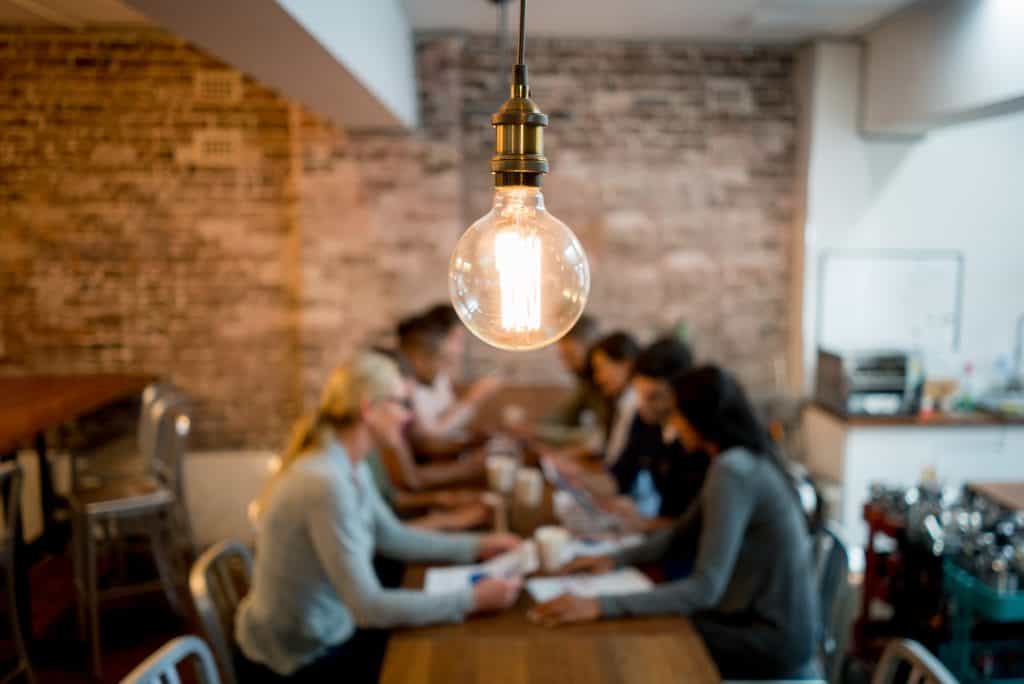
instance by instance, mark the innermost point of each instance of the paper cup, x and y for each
(553, 543)
(501, 473)
(529, 487)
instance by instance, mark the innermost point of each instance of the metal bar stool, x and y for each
(162, 666)
(151, 504)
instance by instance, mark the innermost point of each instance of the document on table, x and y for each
(516, 563)
(604, 547)
(625, 581)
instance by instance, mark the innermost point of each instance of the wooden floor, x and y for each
(132, 628)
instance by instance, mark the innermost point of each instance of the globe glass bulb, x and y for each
(519, 278)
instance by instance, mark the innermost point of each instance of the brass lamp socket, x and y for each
(519, 137)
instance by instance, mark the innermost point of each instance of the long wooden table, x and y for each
(509, 649)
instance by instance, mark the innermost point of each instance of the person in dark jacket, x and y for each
(751, 595)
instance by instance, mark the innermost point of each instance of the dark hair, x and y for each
(714, 403)
(619, 346)
(585, 330)
(663, 359)
(419, 332)
(442, 316)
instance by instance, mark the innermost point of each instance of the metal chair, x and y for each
(162, 666)
(151, 505)
(131, 456)
(10, 488)
(903, 654)
(833, 572)
(218, 581)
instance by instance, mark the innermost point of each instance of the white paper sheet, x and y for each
(626, 581)
(516, 563)
(604, 547)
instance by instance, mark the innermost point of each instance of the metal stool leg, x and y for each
(78, 531)
(160, 545)
(92, 590)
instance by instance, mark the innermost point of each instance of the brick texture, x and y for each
(245, 277)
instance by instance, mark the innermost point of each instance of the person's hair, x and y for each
(369, 376)
(442, 316)
(584, 331)
(618, 346)
(663, 359)
(420, 333)
(714, 403)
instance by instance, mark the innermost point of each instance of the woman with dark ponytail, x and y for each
(751, 593)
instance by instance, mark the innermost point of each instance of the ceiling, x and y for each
(72, 13)
(745, 20)
(730, 20)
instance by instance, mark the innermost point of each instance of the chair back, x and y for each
(162, 666)
(833, 572)
(173, 426)
(218, 581)
(10, 494)
(906, 655)
(148, 420)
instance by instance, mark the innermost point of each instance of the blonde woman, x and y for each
(316, 607)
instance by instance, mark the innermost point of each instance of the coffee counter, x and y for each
(848, 453)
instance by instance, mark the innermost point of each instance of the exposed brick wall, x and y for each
(245, 283)
(120, 255)
(675, 166)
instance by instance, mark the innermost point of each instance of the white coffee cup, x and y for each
(553, 542)
(501, 473)
(529, 487)
(564, 505)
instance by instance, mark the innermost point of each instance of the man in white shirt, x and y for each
(433, 344)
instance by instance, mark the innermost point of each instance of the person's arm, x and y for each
(401, 542)
(334, 530)
(405, 473)
(727, 507)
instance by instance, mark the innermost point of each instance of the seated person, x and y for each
(444, 510)
(408, 476)
(586, 407)
(652, 445)
(751, 595)
(440, 420)
(612, 362)
(315, 603)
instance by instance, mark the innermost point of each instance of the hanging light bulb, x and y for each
(519, 278)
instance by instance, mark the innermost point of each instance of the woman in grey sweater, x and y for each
(751, 593)
(315, 599)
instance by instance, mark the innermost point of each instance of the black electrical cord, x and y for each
(522, 31)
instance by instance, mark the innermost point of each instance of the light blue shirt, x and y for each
(314, 582)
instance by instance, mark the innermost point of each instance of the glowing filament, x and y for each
(517, 258)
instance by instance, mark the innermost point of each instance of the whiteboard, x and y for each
(890, 299)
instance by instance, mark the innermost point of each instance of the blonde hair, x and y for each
(369, 376)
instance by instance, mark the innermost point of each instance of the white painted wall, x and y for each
(349, 61)
(960, 188)
(373, 40)
(943, 59)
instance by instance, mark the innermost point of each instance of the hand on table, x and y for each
(565, 609)
(492, 595)
(483, 389)
(457, 498)
(492, 545)
(587, 565)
